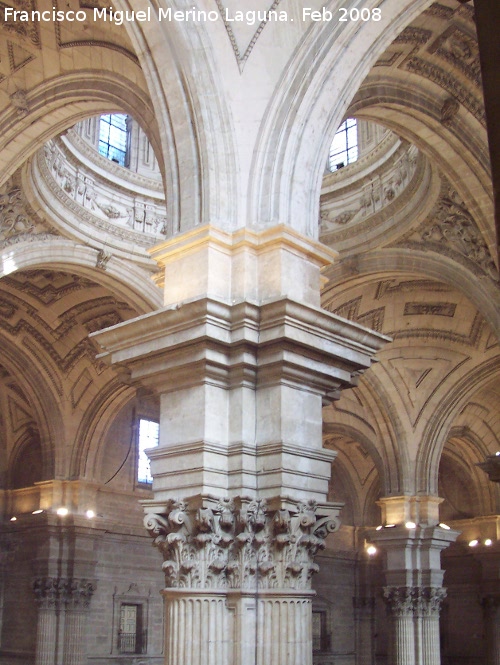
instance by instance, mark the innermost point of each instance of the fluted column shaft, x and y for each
(431, 653)
(284, 632)
(46, 590)
(76, 598)
(401, 610)
(46, 636)
(198, 631)
(404, 640)
(74, 633)
(414, 613)
(62, 602)
(429, 609)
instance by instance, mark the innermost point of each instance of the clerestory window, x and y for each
(344, 148)
(148, 437)
(113, 137)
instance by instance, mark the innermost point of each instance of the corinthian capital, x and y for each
(414, 601)
(230, 544)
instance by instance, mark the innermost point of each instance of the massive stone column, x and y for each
(413, 542)
(243, 358)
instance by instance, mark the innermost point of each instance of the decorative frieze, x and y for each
(238, 544)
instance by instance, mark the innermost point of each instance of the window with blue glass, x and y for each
(149, 431)
(344, 148)
(113, 137)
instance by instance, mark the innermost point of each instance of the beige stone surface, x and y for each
(268, 274)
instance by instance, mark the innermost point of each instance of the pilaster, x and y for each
(61, 602)
(46, 590)
(77, 595)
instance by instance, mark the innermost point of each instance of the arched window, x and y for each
(148, 438)
(344, 148)
(113, 137)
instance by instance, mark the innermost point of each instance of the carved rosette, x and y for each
(239, 544)
(58, 592)
(414, 601)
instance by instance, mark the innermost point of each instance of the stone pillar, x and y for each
(414, 576)
(46, 591)
(76, 598)
(243, 358)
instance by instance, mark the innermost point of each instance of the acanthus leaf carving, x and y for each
(414, 601)
(450, 229)
(57, 592)
(230, 544)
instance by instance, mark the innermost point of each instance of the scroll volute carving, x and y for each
(239, 544)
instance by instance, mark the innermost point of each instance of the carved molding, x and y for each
(449, 83)
(130, 216)
(241, 58)
(451, 230)
(239, 544)
(16, 222)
